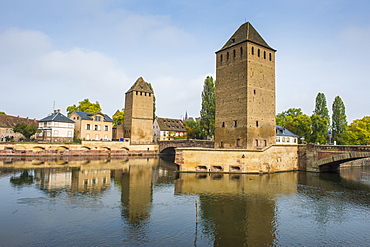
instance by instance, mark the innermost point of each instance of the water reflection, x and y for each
(149, 204)
(236, 208)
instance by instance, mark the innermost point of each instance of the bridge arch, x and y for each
(333, 163)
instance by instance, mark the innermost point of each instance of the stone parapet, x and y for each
(276, 158)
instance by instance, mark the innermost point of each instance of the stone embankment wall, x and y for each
(276, 158)
(86, 148)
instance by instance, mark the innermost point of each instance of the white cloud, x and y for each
(53, 75)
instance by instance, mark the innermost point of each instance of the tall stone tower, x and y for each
(138, 125)
(245, 92)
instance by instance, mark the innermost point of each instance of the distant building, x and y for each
(245, 91)
(284, 136)
(92, 126)
(7, 123)
(56, 128)
(168, 129)
(138, 124)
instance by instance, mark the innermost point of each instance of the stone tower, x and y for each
(138, 124)
(245, 92)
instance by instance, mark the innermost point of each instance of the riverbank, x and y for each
(86, 148)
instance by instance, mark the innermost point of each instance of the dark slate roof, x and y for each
(246, 32)
(169, 124)
(88, 115)
(141, 86)
(56, 117)
(281, 131)
(7, 121)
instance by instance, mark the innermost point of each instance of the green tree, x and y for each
(282, 119)
(27, 130)
(319, 129)
(339, 121)
(358, 132)
(301, 126)
(85, 106)
(193, 129)
(154, 103)
(2, 113)
(119, 117)
(207, 113)
(321, 108)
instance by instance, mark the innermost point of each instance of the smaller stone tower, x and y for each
(138, 125)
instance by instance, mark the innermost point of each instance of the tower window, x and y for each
(252, 50)
(256, 143)
(235, 123)
(221, 58)
(254, 91)
(234, 53)
(227, 56)
(264, 54)
(241, 51)
(233, 40)
(256, 123)
(223, 125)
(238, 142)
(270, 56)
(137, 92)
(259, 53)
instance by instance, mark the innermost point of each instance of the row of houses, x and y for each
(56, 127)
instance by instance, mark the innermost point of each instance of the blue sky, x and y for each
(66, 51)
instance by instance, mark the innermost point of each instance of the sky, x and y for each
(54, 54)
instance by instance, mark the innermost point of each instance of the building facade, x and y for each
(285, 136)
(7, 123)
(168, 129)
(56, 128)
(92, 126)
(245, 92)
(138, 124)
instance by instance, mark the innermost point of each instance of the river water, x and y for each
(145, 202)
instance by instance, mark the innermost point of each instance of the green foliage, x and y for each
(358, 132)
(85, 106)
(193, 129)
(301, 126)
(154, 103)
(282, 119)
(321, 108)
(339, 121)
(2, 113)
(319, 129)
(26, 130)
(119, 117)
(207, 113)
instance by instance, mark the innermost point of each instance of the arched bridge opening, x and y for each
(169, 146)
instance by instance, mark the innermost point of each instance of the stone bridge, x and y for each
(321, 158)
(168, 147)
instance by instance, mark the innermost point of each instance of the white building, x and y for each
(284, 136)
(168, 129)
(56, 128)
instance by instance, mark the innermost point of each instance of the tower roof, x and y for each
(141, 86)
(246, 32)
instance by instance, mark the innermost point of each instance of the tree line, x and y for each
(320, 128)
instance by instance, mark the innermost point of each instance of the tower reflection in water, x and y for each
(238, 209)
